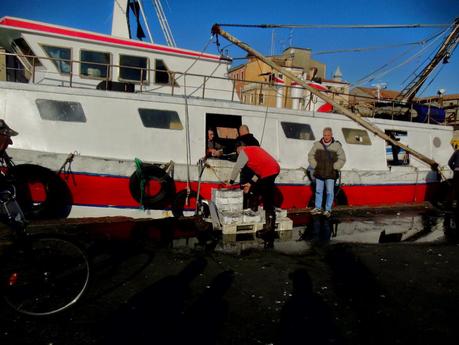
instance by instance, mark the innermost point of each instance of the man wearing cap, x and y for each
(453, 163)
(5, 136)
(266, 169)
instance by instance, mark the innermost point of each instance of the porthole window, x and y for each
(164, 119)
(60, 110)
(301, 131)
(437, 142)
(356, 136)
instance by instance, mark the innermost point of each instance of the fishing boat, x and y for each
(86, 105)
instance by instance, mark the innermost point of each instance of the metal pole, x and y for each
(217, 30)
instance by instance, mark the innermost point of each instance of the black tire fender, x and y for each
(178, 205)
(151, 172)
(58, 198)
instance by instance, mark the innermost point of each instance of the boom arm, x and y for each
(217, 30)
(446, 49)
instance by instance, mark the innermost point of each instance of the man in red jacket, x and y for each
(266, 169)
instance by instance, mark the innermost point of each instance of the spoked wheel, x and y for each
(44, 276)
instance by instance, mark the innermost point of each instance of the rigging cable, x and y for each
(328, 26)
(196, 59)
(432, 80)
(362, 49)
(397, 66)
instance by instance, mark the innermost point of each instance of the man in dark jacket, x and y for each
(247, 138)
(326, 158)
(453, 163)
(5, 136)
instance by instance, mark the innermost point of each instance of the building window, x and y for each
(133, 68)
(60, 57)
(94, 64)
(60, 110)
(356, 136)
(260, 98)
(164, 119)
(300, 131)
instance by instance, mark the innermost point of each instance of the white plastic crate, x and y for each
(228, 199)
(229, 217)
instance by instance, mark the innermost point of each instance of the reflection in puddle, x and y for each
(383, 228)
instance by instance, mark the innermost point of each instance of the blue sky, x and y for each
(191, 21)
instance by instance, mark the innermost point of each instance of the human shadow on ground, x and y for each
(305, 317)
(158, 313)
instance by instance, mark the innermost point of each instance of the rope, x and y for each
(187, 145)
(140, 175)
(219, 179)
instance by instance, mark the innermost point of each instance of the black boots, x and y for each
(268, 233)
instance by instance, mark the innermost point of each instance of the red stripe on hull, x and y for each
(114, 191)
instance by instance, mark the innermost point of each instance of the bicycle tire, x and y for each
(44, 276)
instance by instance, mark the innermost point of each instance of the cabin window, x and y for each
(133, 68)
(301, 131)
(162, 73)
(164, 119)
(94, 64)
(395, 155)
(60, 110)
(60, 57)
(25, 53)
(356, 136)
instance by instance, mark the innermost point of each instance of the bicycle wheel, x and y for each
(43, 276)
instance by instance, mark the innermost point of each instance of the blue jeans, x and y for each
(329, 186)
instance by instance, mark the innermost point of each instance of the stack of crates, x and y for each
(232, 218)
(229, 203)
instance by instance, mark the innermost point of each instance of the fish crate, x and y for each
(282, 224)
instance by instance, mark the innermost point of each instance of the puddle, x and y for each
(381, 228)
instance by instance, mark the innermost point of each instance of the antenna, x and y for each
(379, 87)
(163, 23)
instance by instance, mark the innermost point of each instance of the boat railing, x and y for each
(255, 92)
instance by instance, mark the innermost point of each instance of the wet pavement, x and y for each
(387, 277)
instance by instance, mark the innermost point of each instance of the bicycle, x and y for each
(40, 274)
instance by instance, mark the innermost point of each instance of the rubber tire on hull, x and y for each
(178, 205)
(58, 198)
(152, 172)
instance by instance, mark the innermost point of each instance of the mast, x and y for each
(217, 30)
(443, 53)
(164, 23)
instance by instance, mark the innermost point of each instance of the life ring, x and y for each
(40, 192)
(158, 186)
(183, 201)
